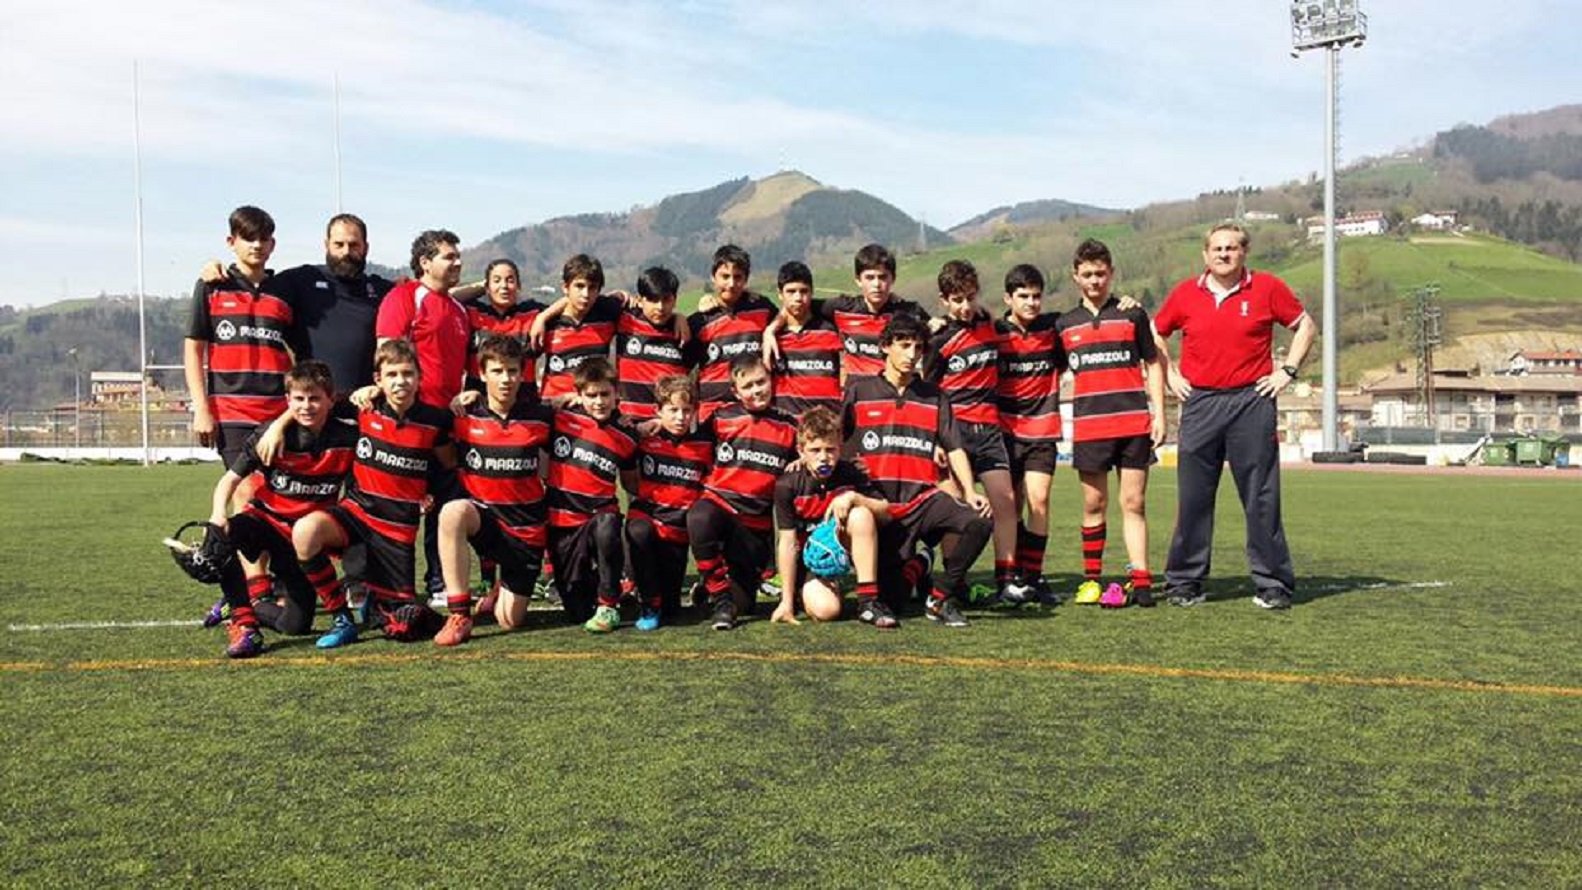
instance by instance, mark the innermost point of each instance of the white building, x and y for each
(1369, 222)
(1436, 220)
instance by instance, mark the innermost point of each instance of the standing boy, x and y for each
(498, 444)
(577, 327)
(1117, 419)
(733, 327)
(807, 373)
(729, 526)
(647, 346)
(239, 329)
(824, 486)
(893, 424)
(1029, 402)
(672, 461)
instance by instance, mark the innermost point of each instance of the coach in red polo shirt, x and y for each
(1228, 384)
(424, 312)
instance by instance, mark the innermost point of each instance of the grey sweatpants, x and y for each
(1235, 425)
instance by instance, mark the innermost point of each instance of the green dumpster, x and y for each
(1557, 451)
(1530, 451)
(1499, 452)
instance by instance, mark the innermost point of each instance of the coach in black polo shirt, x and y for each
(336, 304)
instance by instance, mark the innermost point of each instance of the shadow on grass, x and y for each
(1312, 588)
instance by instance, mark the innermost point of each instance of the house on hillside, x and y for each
(1261, 216)
(1366, 223)
(1436, 220)
(1564, 361)
(1466, 401)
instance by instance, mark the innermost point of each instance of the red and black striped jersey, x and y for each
(963, 360)
(1029, 379)
(645, 353)
(246, 328)
(860, 328)
(1105, 352)
(483, 319)
(670, 471)
(498, 461)
(390, 474)
(802, 499)
(808, 372)
(585, 463)
(308, 472)
(720, 335)
(892, 435)
(569, 342)
(750, 451)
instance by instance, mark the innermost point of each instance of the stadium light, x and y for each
(1329, 25)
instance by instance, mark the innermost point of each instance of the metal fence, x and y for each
(96, 429)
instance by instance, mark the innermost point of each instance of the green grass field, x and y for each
(1416, 720)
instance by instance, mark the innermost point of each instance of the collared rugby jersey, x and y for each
(247, 329)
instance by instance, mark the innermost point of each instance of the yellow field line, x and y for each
(1233, 675)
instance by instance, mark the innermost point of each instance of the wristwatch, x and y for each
(1290, 371)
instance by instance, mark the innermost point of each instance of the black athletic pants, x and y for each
(655, 565)
(1235, 425)
(727, 551)
(928, 523)
(253, 537)
(588, 562)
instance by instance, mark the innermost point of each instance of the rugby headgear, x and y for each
(823, 553)
(203, 551)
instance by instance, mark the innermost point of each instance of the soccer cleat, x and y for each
(245, 641)
(1046, 595)
(604, 620)
(873, 611)
(647, 619)
(945, 611)
(343, 630)
(1017, 593)
(1088, 594)
(457, 630)
(1273, 598)
(1188, 598)
(544, 586)
(724, 614)
(698, 596)
(983, 595)
(1114, 597)
(217, 614)
(1141, 596)
(770, 588)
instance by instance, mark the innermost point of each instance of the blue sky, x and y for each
(483, 116)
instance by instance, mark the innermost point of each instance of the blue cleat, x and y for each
(217, 613)
(647, 619)
(342, 632)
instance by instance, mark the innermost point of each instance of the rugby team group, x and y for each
(811, 448)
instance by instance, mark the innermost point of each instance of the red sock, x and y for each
(867, 590)
(322, 576)
(259, 587)
(1093, 551)
(1142, 579)
(1030, 552)
(912, 570)
(459, 603)
(1004, 570)
(716, 577)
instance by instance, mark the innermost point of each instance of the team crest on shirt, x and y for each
(365, 448)
(474, 459)
(956, 365)
(714, 352)
(649, 465)
(279, 482)
(870, 441)
(227, 331)
(557, 364)
(634, 346)
(724, 453)
(562, 446)
(850, 345)
(1074, 361)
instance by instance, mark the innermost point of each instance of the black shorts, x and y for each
(390, 564)
(927, 523)
(985, 447)
(1031, 457)
(519, 561)
(1103, 455)
(230, 439)
(256, 533)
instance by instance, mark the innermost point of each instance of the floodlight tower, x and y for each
(1328, 25)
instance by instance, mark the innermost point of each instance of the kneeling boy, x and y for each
(824, 486)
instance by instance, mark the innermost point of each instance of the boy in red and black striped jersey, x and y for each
(306, 476)
(399, 441)
(647, 344)
(824, 486)
(498, 441)
(673, 460)
(807, 372)
(1029, 401)
(859, 319)
(591, 451)
(1117, 418)
(577, 327)
(240, 330)
(963, 360)
(500, 310)
(729, 526)
(731, 327)
(893, 425)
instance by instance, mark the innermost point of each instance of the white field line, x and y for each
(1377, 585)
(103, 625)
